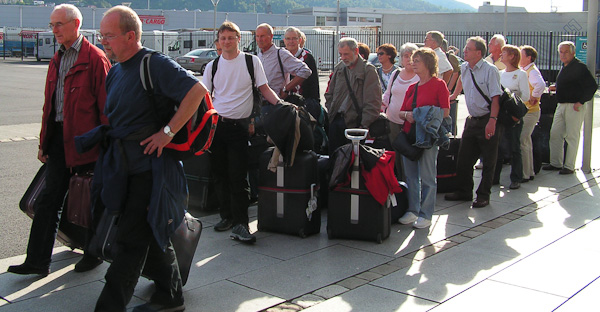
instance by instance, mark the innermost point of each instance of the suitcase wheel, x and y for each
(329, 234)
(301, 233)
(379, 240)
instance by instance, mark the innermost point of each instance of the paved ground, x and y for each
(532, 249)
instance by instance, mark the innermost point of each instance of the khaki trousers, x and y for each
(566, 126)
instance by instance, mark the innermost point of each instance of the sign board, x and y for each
(153, 19)
(277, 37)
(581, 49)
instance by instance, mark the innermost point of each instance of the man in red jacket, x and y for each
(73, 105)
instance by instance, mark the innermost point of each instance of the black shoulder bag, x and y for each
(381, 125)
(403, 143)
(510, 105)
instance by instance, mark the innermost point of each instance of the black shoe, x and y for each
(151, 307)
(514, 185)
(457, 197)
(565, 171)
(480, 203)
(26, 269)
(87, 263)
(223, 225)
(242, 234)
(550, 168)
(253, 200)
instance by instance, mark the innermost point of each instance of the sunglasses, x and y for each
(381, 53)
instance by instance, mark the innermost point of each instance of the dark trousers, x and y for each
(229, 158)
(336, 134)
(454, 116)
(49, 204)
(474, 145)
(139, 250)
(513, 148)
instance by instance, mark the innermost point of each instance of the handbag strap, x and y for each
(487, 99)
(414, 103)
(391, 84)
(353, 97)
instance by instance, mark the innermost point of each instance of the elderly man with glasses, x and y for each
(73, 105)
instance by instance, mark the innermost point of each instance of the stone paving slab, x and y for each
(81, 298)
(444, 275)
(228, 296)
(302, 275)
(371, 298)
(584, 299)
(493, 296)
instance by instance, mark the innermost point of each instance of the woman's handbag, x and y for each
(403, 143)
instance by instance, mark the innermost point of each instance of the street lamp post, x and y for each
(215, 3)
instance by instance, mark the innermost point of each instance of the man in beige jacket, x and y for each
(341, 108)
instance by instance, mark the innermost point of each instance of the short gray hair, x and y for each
(437, 36)
(479, 44)
(294, 29)
(71, 11)
(408, 47)
(499, 39)
(348, 42)
(266, 26)
(570, 44)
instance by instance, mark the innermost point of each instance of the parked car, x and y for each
(196, 60)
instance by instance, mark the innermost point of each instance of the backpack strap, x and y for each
(214, 71)
(250, 66)
(146, 79)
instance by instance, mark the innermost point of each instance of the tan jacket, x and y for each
(365, 83)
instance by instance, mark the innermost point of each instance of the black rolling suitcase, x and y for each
(353, 213)
(287, 197)
(200, 183)
(69, 234)
(446, 167)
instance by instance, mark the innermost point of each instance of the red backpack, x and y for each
(196, 136)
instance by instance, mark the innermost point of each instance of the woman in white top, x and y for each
(537, 85)
(386, 53)
(394, 95)
(514, 79)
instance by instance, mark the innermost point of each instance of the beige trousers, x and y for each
(566, 126)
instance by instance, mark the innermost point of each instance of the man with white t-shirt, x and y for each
(233, 99)
(434, 40)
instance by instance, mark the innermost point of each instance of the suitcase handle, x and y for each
(356, 135)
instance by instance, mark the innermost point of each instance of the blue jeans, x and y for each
(421, 182)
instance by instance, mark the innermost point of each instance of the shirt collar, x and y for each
(528, 66)
(76, 45)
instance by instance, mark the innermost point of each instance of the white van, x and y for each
(46, 43)
(162, 41)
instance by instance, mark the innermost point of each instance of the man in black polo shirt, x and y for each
(574, 86)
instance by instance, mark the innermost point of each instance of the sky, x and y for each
(534, 5)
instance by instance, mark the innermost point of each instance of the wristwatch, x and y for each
(285, 90)
(167, 131)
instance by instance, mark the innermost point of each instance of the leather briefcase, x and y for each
(79, 205)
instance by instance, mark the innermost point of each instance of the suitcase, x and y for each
(287, 198)
(446, 167)
(184, 241)
(353, 213)
(202, 196)
(70, 235)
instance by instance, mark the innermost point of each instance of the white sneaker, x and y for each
(408, 218)
(422, 223)
(479, 166)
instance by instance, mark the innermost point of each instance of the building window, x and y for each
(378, 20)
(352, 19)
(363, 19)
(201, 43)
(332, 18)
(187, 44)
(320, 20)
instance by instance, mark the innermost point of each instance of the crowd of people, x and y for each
(84, 94)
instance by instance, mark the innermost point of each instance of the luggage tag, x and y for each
(392, 199)
(312, 202)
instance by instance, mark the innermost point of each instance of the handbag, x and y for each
(511, 105)
(79, 205)
(184, 240)
(403, 143)
(381, 125)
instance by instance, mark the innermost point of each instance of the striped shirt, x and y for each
(68, 58)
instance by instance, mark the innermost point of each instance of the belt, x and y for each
(224, 119)
(486, 116)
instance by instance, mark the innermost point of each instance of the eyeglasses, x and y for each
(291, 38)
(58, 24)
(101, 37)
(228, 38)
(381, 53)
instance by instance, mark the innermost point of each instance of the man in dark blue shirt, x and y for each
(145, 175)
(574, 86)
